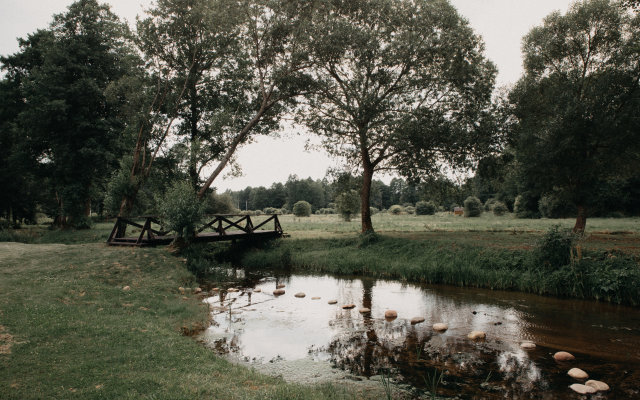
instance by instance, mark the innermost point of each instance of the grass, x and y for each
(69, 330)
(494, 259)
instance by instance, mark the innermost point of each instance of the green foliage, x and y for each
(348, 204)
(373, 210)
(472, 207)
(425, 208)
(579, 67)
(488, 205)
(219, 204)
(526, 206)
(302, 209)
(396, 209)
(499, 209)
(182, 210)
(555, 247)
(552, 206)
(410, 209)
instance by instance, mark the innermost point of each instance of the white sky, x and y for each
(501, 23)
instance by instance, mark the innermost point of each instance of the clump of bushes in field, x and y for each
(425, 208)
(396, 209)
(472, 207)
(348, 204)
(325, 211)
(499, 208)
(302, 209)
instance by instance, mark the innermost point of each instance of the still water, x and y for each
(309, 340)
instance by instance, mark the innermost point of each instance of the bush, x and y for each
(550, 206)
(488, 205)
(526, 206)
(425, 208)
(325, 211)
(554, 249)
(182, 209)
(347, 204)
(302, 209)
(499, 208)
(472, 207)
(410, 209)
(373, 210)
(396, 209)
(219, 204)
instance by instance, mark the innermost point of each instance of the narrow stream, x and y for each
(309, 340)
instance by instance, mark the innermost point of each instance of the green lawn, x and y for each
(69, 330)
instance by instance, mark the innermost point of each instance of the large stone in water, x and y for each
(598, 385)
(300, 295)
(563, 356)
(416, 320)
(364, 310)
(577, 373)
(315, 298)
(280, 286)
(278, 292)
(528, 345)
(332, 302)
(582, 389)
(440, 327)
(391, 314)
(257, 290)
(477, 335)
(232, 290)
(348, 306)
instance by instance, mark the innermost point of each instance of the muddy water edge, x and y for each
(306, 339)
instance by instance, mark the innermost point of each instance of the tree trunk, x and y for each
(581, 220)
(365, 195)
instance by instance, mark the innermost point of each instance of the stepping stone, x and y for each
(528, 345)
(416, 320)
(582, 389)
(300, 295)
(440, 327)
(577, 373)
(232, 290)
(348, 306)
(280, 286)
(391, 314)
(477, 335)
(332, 302)
(278, 292)
(563, 356)
(315, 298)
(257, 290)
(598, 385)
(364, 310)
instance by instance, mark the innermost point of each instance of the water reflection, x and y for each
(275, 331)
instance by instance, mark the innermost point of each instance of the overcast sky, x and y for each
(501, 23)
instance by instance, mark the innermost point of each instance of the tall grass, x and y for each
(603, 276)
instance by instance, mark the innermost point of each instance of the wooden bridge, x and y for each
(220, 228)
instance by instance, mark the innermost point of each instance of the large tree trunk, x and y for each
(581, 220)
(365, 197)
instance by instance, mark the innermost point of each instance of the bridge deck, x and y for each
(223, 228)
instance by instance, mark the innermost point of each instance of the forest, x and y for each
(97, 118)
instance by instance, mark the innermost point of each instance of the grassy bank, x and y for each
(69, 330)
(607, 276)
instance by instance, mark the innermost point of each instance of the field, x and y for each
(68, 329)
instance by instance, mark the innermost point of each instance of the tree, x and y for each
(347, 204)
(302, 209)
(578, 102)
(273, 45)
(399, 85)
(74, 130)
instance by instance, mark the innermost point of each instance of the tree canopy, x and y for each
(578, 103)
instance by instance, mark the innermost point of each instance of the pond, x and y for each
(306, 339)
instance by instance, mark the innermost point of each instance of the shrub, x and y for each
(472, 207)
(488, 205)
(347, 204)
(373, 210)
(410, 209)
(302, 209)
(499, 208)
(425, 208)
(182, 209)
(219, 204)
(271, 210)
(526, 206)
(550, 206)
(396, 209)
(554, 249)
